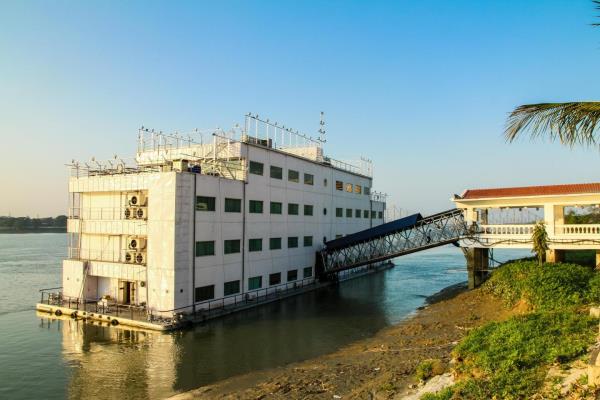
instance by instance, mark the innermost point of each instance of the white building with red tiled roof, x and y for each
(505, 217)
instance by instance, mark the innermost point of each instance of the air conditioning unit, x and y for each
(136, 199)
(180, 165)
(136, 243)
(129, 212)
(130, 257)
(140, 257)
(141, 213)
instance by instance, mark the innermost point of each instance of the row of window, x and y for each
(275, 172)
(207, 247)
(348, 187)
(206, 203)
(204, 293)
(339, 212)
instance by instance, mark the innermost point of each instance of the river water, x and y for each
(55, 359)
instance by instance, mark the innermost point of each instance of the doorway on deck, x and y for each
(127, 292)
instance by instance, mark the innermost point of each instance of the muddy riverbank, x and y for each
(382, 366)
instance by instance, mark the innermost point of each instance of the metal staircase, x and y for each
(390, 240)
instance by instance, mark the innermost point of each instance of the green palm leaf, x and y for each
(570, 123)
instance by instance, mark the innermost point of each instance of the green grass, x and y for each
(429, 368)
(510, 359)
(551, 286)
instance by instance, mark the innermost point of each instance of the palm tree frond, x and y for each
(597, 3)
(570, 123)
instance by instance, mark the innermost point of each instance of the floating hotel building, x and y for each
(210, 216)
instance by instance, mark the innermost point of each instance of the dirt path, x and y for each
(380, 367)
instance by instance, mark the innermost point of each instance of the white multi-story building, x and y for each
(197, 220)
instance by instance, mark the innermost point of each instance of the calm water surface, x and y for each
(50, 358)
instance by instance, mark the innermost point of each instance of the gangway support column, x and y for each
(477, 265)
(555, 256)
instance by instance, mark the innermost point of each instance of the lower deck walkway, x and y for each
(139, 317)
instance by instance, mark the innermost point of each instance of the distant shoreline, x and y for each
(59, 229)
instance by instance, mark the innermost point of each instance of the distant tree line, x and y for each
(589, 215)
(26, 223)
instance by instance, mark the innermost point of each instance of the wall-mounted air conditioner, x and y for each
(136, 199)
(130, 257)
(129, 212)
(141, 213)
(140, 257)
(136, 243)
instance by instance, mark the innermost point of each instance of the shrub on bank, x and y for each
(429, 368)
(548, 287)
(509, 359)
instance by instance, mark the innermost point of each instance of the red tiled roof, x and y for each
(577, 188)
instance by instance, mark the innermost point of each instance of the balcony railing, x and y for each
(75, 253)
(100, 213)
(524, 230)
(578, 229)
(527, 230)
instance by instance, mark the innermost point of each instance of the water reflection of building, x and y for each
(117, 363)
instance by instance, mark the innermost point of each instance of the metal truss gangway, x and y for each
(390, 240)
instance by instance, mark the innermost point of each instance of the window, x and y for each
(292, 242)
(255, 282)
(276, 207)
(256, 168)
(366, 214)
(205, 293)
(349, 187)
(276, 172)
(292, 275)
(325, 182)
(307, 241)
(275, 243)
(380, 214)
(373, 214)
(309, 179)
(348, 213)
(357, 189)
(339, 185)
(357, 213)
(308, 209)
(233, 205)
(231, 246)
(367, 190)
(255, 207)
(307, 272)
(206, 248)
(275, 279)
(292, 209)
(325, 211)
(339, 212)
(293, 176)
(231, 287)
(204, 203)
(255, 245)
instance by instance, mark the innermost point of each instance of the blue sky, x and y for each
(422, 88)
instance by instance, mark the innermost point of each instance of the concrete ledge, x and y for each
(109, 319)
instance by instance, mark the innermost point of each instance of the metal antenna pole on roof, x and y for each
(322, 137)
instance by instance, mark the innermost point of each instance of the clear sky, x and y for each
(421, 87)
